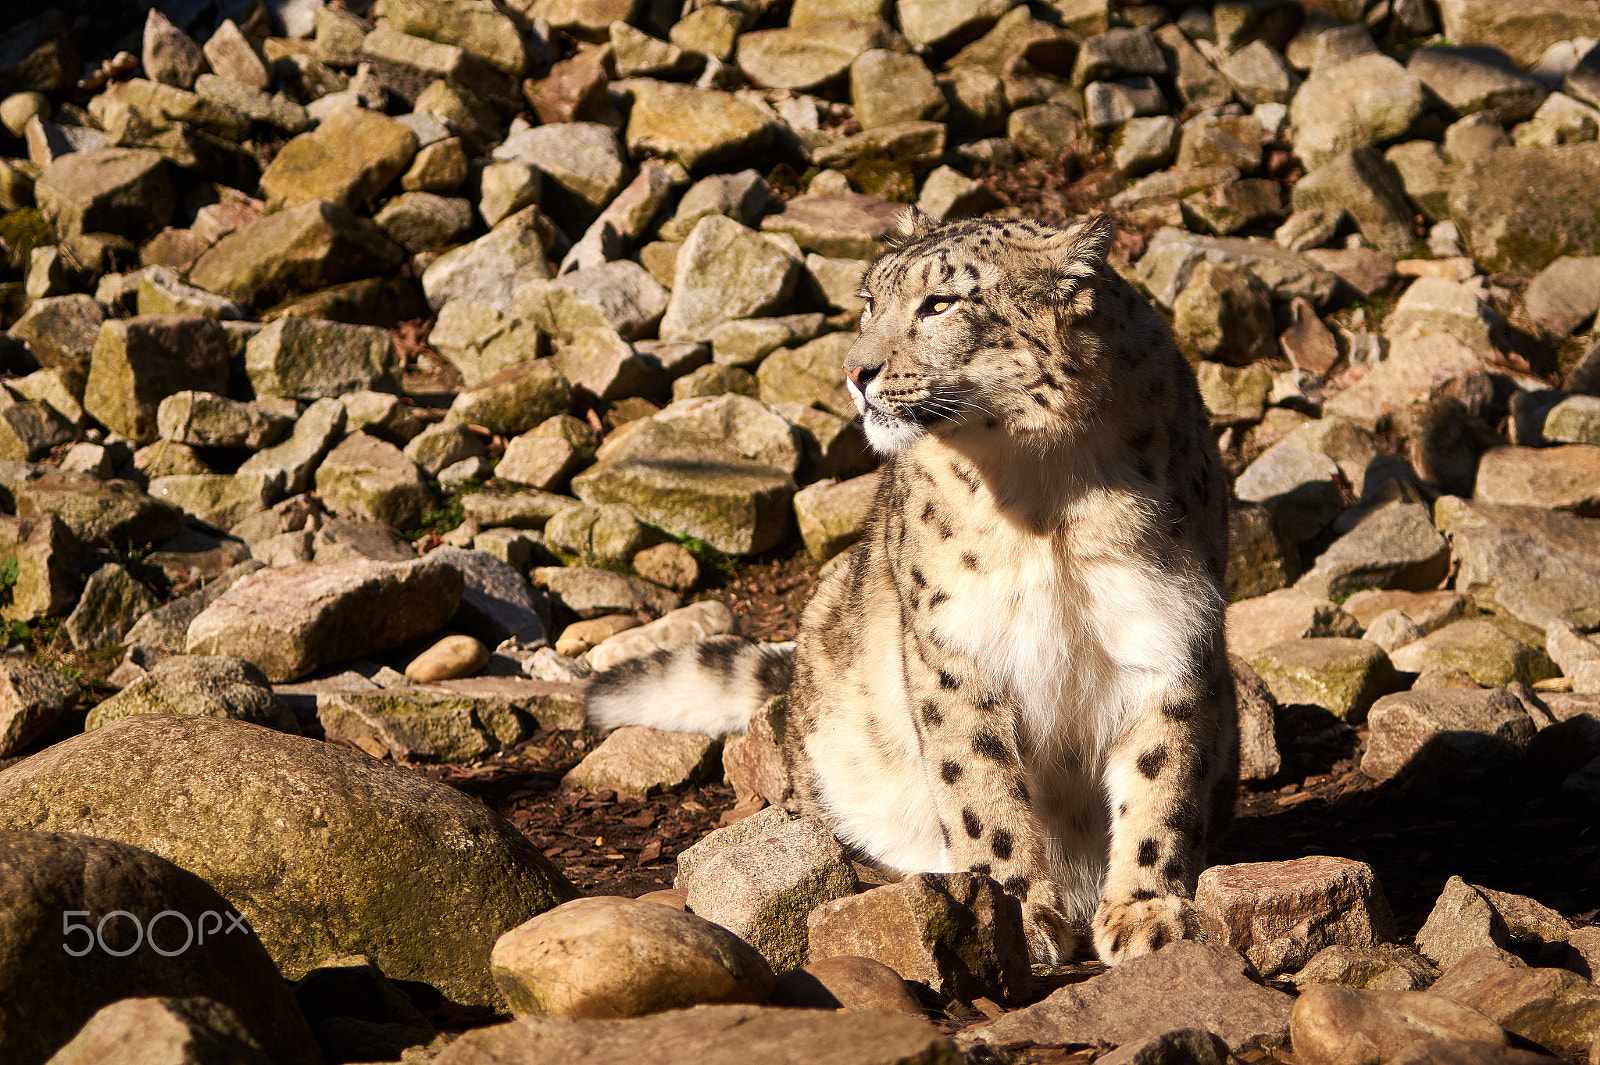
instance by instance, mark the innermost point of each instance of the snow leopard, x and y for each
(1020, 668)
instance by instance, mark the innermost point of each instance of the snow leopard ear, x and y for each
(914, 224)
(1081, 251)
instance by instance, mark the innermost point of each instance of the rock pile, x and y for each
(469, 330)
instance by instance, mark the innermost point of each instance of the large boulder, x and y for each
(85, 922)
(323, 850)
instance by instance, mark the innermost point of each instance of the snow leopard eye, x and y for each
(936, 305)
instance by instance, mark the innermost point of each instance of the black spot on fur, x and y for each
(1017, 885)
(1151, 761)
(773, 672)
(930, 714)
(1158, 939)
(989, 745)
(1118, 940)
(950, 772)
(917, 578)
(1019, 791)
(938, 597)
(1122, 809)
(1149, 853)
(945, 832)
(970, 822)
(719, 656)
(1000, 842)
(1143, 895)
(1179, 709)
(948, 682)
(969, 560)
(982, 867)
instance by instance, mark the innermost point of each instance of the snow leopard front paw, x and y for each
(1128, 928)
(1051, 939)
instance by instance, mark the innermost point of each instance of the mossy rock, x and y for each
(323, 849)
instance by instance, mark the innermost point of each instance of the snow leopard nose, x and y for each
(861, 376)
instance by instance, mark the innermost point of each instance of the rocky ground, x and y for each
(372, 374)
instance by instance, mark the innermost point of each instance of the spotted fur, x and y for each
(1020, 668)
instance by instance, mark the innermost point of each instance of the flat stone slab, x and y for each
(1182, 985)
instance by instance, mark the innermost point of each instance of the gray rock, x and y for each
(1342, 676)
(1522, 208)
(289, 465)
(1286, 614)
(1367, 100)
(309, 359)
(488, 270)
(1259, 74)
(148, 1029)
(200, 686)
(1393, 546)
(1280, 914)
(1185, 985)
(138, 362)
(61, 331)
(1361, 183)
(166, 782)
(887, 88)
(107, 190)
(371, 479)
(1448, 734)
(582, 158)
(725, 271)
(1566, 477)
(1469, 80)
(425, 221)
(808, 57)
(31, 700)
(833, 516)
(843, 224)
(205, 419)
(941, 22)
(164, 629)
(697, 127)
(1258, 747)
(592, 593)
(1480, 649)
(958, 933)
(713, 1035)
(112, 601)
(640, 957)
(296, 250)
(1327, 1019)
(1298, 486)
(617, 295)
(1119, 52)
(1565, 294)
(1224, 313)
(422, 725)
(742, 197)
(1426, 173)
(1213, 139)
(289, 620)
(691, 485)
(1172, 255)
(515, 399)
(636, 761)
(763, 888)
(1143, 144)
(53, 870)
(497, 604)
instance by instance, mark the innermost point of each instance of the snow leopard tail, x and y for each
(712, 686)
